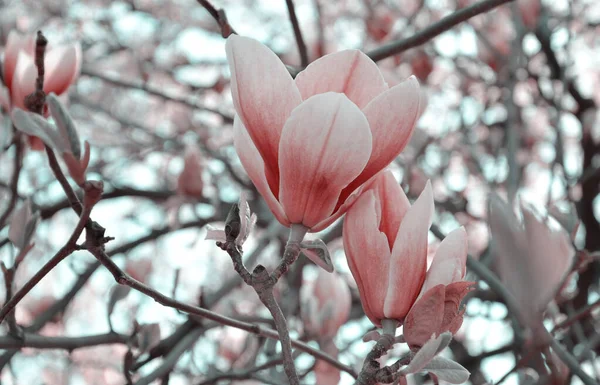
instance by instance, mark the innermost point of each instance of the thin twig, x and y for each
(220, 17)
(434, 30)
(14, 181)
(571, 362)
(124, 279)
(188, 101)
(64, 252)
(36, 341)
(577, 316)
(297, 33)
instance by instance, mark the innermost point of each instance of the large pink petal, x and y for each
(62, 67)
(368, 253)
(350, 72)
(264, 95)
(392, 117)
(394, 204)
(324, 145)
(255, 167)
(15, 44)
(448, 266)
(409, 257)
(23, 80)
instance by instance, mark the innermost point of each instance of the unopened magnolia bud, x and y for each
(22, 225)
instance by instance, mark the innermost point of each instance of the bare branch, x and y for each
(434, 30)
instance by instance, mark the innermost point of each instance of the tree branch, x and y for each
(297, 33)
(434, 30)
(36, 341)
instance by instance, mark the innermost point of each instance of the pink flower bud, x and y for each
(326, 304)
(189, 182)
(532, 259)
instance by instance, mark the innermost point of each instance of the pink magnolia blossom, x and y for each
(189, 182)
(310, 143)
(326, 304)
(532, 259)
(385, 239)
(62, 66)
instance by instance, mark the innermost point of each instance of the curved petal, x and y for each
(15, 44)
(392, 117)
(368, 254)
(394, 204)
(254, 166)
(409, 257)
(448, 265)
(62, 67)
(341, 209)
(324, 145)
(264, 95)
(550, 258)
(23, 81)
(453, 311)
(510, 255)
(350, 72)
(425, 318)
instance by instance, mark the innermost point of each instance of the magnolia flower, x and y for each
(189, 182)
(385, 240)
(326, 304)
(532, 259)
(62, 65)
(309, 144)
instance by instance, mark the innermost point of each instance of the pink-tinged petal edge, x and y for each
(324, 145)
(368, 254)
(15, 44)
(23, 82)
(449, 262)
(392, 117)
(63, 64)
(254, 166)
(408, 263)
(425, 318)
(264, 95)
(394, 203)
(350, 72)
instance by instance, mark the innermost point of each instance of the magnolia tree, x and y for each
(309, 191)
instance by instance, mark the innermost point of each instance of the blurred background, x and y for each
(512, 107)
